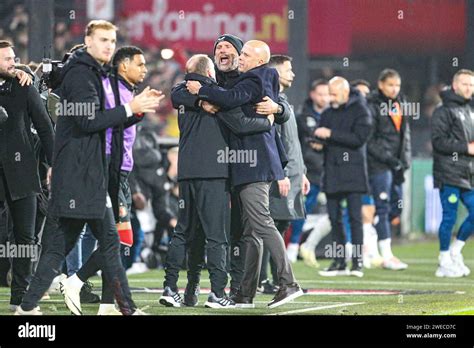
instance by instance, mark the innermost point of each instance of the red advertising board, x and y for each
(335, 27)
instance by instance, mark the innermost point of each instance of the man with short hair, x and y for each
(308, 121)
(453, 153)
(252, 180)
(287, 195)
(344, 130)
(388, 157)
(79, 182)
(20, 107)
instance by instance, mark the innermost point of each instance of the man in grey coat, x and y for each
(286, 196)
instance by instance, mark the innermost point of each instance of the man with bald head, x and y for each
(252, 180)
(343, 132)
(203, 189)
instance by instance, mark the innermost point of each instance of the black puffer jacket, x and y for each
(345, 162)
(387, 149)
(452, 131)
(17, 152)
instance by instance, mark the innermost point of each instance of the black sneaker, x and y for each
(356, 269)
(218, 302)
(233, 292)
(337, 268)
(191, 295)
(169, 298)
(242, 301)
(267, 287)
(285, 294)
(86, 294)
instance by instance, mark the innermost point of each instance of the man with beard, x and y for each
(227, 49)
(453, 150)
(19, 178)
(79, 182)
(252, 179)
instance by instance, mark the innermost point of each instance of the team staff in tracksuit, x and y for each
(388, 157)
(453, 169)
(287, 195)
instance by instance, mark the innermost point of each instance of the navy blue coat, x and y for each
(249, 89)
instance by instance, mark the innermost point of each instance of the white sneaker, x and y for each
(108, 310)
(458, 261)
(137, 268)
(292, 252)
(308, 256)
(71, 296)
(448, 270)
(34, 311)
(54, 287)
(139, 312)
(394, 264)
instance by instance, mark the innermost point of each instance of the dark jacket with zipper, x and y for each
(387, 148)
(313, 159)
(345, 161)
(17, 152)
(203, 135)
(249, 89)
(452, 129)
(79, 182)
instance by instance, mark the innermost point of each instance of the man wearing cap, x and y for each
(227, 49)
(252, 180)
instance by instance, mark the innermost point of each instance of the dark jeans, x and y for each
(203, 214)
(281, 226)
(354, 208)
(23, 214)
(59, 242)
(387, 196)
(260, 230)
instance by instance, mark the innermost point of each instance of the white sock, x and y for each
(370, 240)
(457, 246)
(322, 228)
(75, 281)
(105, 306)
(444, 258)
(386, 248)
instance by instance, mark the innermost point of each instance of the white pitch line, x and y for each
(456, 311)
(312, 309)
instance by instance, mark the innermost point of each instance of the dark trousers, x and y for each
(58, 243)
(260, 230)
(23, 214)
(95, 261)
(282, 226)
(237, 246)
(387, 196)
(203, 216)
(354, 208)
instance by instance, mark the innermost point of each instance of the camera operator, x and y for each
(19, 178)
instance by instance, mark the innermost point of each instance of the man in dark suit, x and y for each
(256, 161)
(345, 128)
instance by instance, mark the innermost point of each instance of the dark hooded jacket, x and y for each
(452, 130)
(345, 160)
